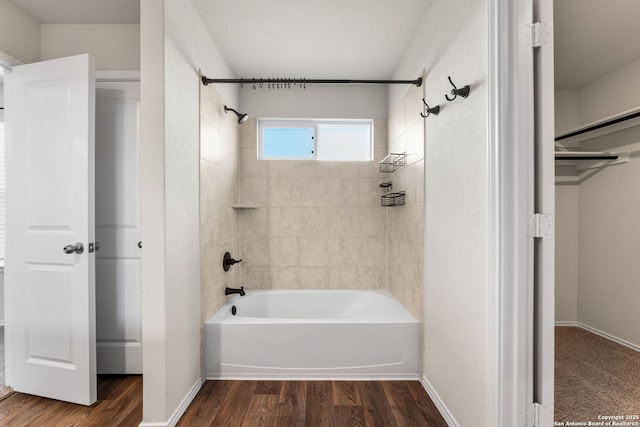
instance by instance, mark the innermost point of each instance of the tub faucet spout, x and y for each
(230, 291)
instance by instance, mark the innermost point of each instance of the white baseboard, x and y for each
(610, 337)
(435, 397)
(177, 414)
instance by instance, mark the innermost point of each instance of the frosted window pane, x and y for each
(344, 142)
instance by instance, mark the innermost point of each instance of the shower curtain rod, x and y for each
(600, 125)
(288, 81)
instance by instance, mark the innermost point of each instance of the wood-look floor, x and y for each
(241, 403)
(119, 404)
(312, 403)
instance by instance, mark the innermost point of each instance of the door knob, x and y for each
(77, 248)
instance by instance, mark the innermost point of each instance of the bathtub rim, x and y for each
(221, 315)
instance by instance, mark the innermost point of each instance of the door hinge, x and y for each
(538, 34)
(540, 225)
(539, 416)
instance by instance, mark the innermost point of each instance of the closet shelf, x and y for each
(617, 122)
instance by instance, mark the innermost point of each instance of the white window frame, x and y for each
(314, 124)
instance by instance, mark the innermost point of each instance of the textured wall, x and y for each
(452, 41)
(115, 47)
(596, 221)
(611, 94)
(174, 46)
(317, 225)
(608, 271)
(19, 33)
(219, 231)
(566, 235)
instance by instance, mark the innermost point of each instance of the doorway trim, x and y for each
(511, 202)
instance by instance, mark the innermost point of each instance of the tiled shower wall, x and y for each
(406, 223)
(219, 179)
(311, 224)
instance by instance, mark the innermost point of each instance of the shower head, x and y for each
(242, 117)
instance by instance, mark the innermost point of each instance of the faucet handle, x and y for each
(227, 261)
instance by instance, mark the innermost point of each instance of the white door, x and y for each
(119, 335)
(50, 286)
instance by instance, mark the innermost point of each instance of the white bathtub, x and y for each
(312, 334)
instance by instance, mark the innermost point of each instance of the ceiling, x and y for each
(353, 39)
(82, 11)
(361, 39)
(593, 38)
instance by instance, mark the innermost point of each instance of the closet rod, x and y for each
(594, 157)
(206, 81)
(600, 125)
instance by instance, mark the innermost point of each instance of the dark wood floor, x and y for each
(312, 403)
(119, 404)
(241, 403)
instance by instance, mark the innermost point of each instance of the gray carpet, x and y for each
(594, 376)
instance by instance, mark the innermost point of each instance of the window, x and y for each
(337, 140)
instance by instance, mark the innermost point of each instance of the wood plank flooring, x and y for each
(241, 404)
(312, 403)
(119, 404)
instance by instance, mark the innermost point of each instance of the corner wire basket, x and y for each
(392, 162)
(392, 199)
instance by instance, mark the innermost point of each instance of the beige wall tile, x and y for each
(255, 251)
(255, 277)
(343, 222)
(374, 277)
(369, 191)
(247, 133)
(348, 253)
(209, 140)
(283, 252)
(343, 277)
(415, 142)
(209, 104)
(397, 122)
(250, 166)
(284, 277)
(373, 222)
(254, 222)
(317, 251)
(314, 278)
(208, 225)
(219, 222)
(372, 251)
(315, 222)
(285, 222)
(254, 191)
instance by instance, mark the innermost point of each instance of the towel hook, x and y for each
(463, 91)
(430, 110)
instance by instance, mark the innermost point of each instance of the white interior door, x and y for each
(50, 287)
(119, 335)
